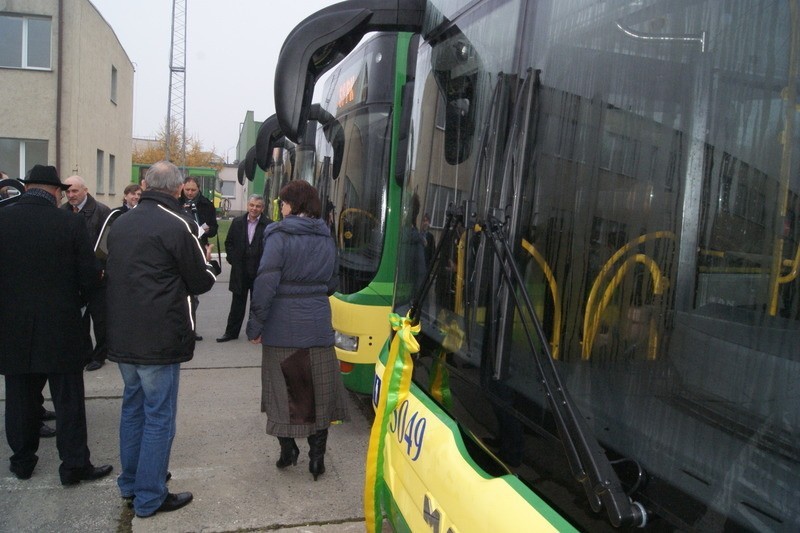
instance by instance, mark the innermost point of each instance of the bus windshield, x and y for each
(646, 177)
(352, 157)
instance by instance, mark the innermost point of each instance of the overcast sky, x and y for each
(231, 50)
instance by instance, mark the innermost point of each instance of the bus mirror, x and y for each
(321, 41)
(338, 149)
(459, 129)
(240, 172)
(334, 134)
(455, 66)
(267, 139)
(320, 114)
(250, 164)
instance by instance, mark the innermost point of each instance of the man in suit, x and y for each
(243, 247)
(94, 214)
(48, 272)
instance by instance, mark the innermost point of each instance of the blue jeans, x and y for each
(146, 431)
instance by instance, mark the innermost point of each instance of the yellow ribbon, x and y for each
(440, 376)
(395, 384)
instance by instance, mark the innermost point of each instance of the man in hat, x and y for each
(10, 191)
(48, 271)
(94, 214)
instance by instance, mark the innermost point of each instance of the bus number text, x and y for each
(410, 431)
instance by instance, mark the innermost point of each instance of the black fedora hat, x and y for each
(45, 175)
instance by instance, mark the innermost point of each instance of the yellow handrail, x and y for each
(551, 282)
(589, 317)
(659, 284)
(794, 265)
(789, 94)
(460, 267)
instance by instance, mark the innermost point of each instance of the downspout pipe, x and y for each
(59, 75)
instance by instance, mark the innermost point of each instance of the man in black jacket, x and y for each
(201, 210)
(243, 247)
(93, 214)
(48, 272)
(155, 264)
(11, 190)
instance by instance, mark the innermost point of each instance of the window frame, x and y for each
(114, 76)
(22, 156)
(100, 181)
(112, 163)
(24, 51)
(232, 187)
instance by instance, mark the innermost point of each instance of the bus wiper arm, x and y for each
(587, 459)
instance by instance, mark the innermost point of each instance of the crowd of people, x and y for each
(82, 282)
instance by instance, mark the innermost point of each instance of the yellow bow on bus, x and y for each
(395, 383)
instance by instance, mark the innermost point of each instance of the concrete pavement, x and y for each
(221, 454)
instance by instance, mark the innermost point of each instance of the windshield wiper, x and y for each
(587, 459)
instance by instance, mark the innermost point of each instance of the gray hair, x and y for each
(164, 176)
(256, 197)
(78, 181)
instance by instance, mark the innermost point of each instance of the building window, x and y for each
(112, 166)
(25, 42)
(113, 84)
(101, 189)
(229, 189)
(17, 156)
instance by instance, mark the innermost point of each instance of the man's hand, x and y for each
(257, 340)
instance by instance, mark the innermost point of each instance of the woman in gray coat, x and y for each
(302, 391)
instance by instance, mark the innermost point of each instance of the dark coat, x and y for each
(48, 270)
(243, 256)
(202, 212)
(289, 307)
(101, 243)
(155, 262)
(94, 214)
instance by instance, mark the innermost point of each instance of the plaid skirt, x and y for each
(301, 390)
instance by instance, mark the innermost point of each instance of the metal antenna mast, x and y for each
(176, 106)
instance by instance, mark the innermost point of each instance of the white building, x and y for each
(66, 94)
(234, 194)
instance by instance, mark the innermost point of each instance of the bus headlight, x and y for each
(348, 343)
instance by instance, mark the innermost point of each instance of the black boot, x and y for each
(316, 452)
(289, 452)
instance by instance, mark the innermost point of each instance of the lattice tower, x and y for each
(176, 106)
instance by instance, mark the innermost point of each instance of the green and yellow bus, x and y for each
(607, 336)
(346, 150)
